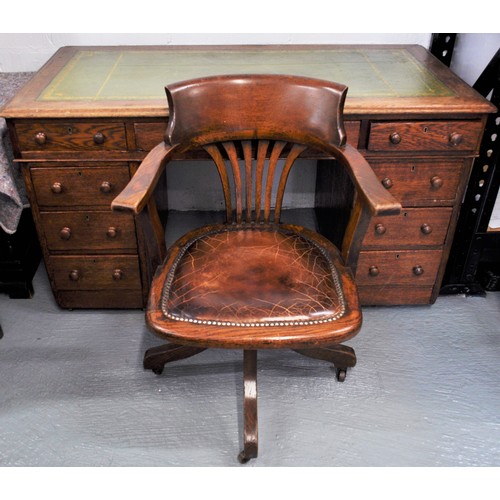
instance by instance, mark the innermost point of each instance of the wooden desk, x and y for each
(85, 121)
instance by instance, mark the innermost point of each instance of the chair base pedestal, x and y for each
(156, 358)
(250, 431)
(341, 356)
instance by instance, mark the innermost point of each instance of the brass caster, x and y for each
(341, 374)
(242, 459)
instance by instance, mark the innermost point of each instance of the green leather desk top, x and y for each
(126, 74)
(129, 81)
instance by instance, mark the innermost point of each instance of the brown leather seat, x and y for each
(262, 277)
(255, 283)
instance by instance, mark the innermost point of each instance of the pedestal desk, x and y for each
(82, 125)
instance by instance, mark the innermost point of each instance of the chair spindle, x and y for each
(254, 158)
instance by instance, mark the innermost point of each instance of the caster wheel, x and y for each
(158, 370)
(341, 374)
(242, 459)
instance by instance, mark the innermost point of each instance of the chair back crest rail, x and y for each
(244, 107)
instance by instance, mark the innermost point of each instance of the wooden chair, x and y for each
(253, 282)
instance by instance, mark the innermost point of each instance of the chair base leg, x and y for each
(156, 358)
(341, 356)
(250, 434)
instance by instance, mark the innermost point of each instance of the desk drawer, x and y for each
(103, 272)
(405, 267)
(149, 134)
(100, 299)
(413, 227)
(72, 136)
(418, 183)
(89, 231)
(394, 295)
(425, 136)
(78, 186)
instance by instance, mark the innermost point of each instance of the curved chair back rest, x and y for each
(254, 127)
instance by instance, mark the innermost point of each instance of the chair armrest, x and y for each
(372, 199)
(137, 192)
(377, 199)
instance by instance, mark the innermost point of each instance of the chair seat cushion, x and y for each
(253, 276)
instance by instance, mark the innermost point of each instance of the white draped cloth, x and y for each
(13, 197)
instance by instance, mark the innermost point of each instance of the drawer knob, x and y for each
(41, 138)
(56, 188)
(395, 138)
(111, 232)
(99, 138)
(436, 182)
(117, 274)
(373, 271)
(65, 233)
(456, 139)
(418, 270)
(105, 187)
(380, 229)
(426, 229)
(387, 183)
(74, 275)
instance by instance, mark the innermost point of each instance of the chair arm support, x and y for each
(372, 199)
(137, 192)
(369, 189)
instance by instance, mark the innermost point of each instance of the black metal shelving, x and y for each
(474, 262)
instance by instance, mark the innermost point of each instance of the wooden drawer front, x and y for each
(425, 136)
(413, 227)
(78, 186)
(417, 183)
(352, 131)
(67, 136)
(149, 134)
(406, 267)
(106, 272)
(88, 231)
(394, 295)
(100, 299)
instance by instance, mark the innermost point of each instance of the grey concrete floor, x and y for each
(425, 392)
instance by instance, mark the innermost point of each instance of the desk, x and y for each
(89, 116)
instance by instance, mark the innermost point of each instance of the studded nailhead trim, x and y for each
(257, 324)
